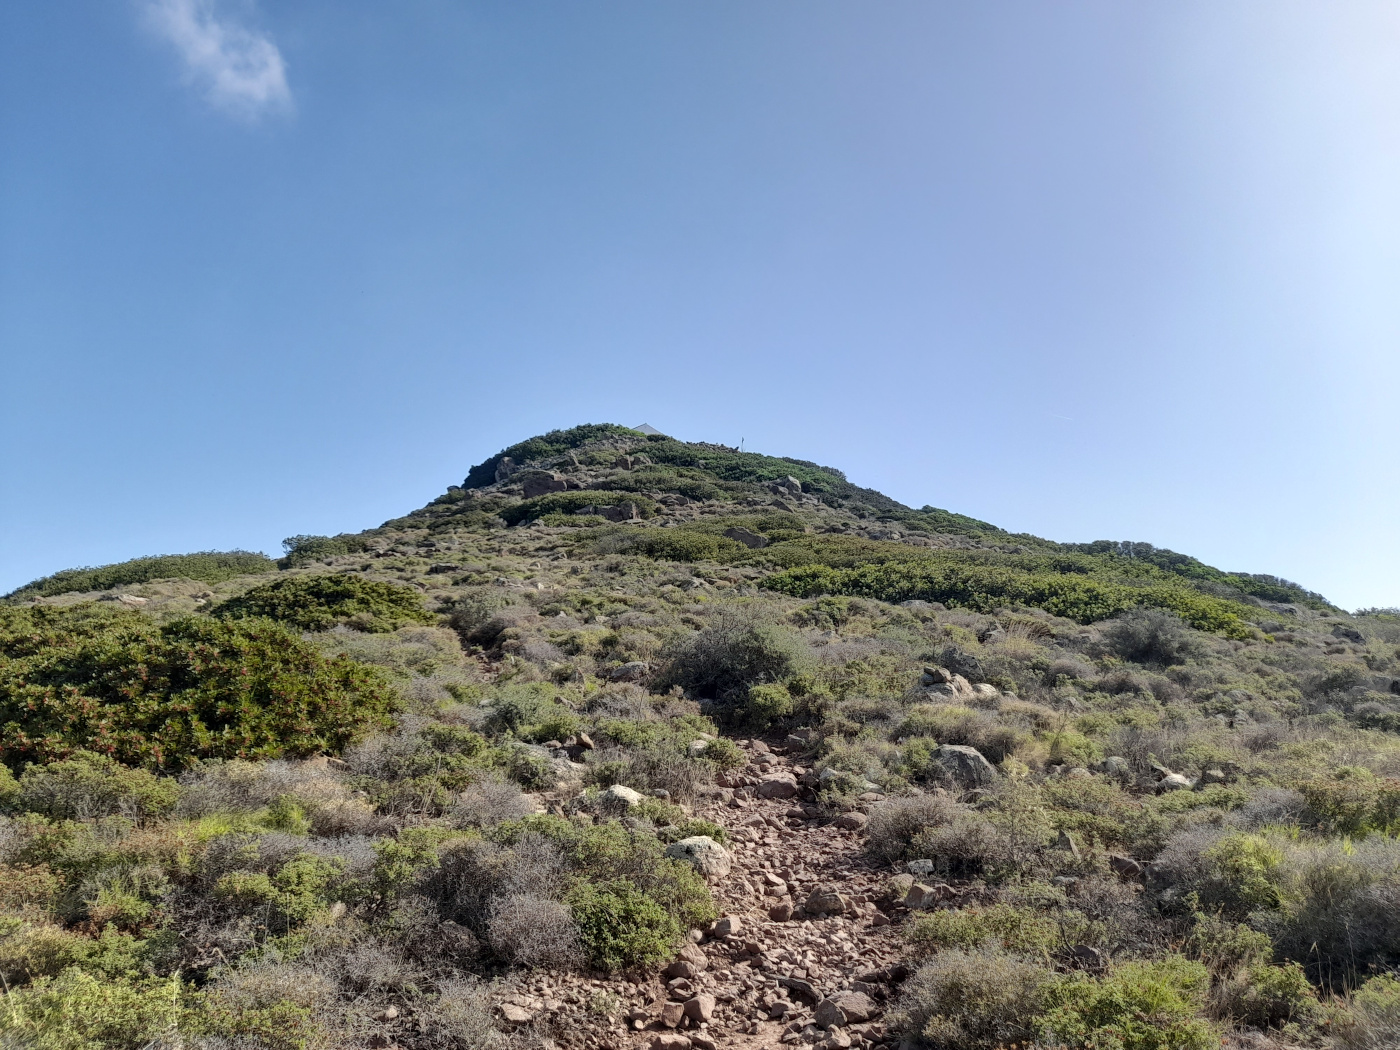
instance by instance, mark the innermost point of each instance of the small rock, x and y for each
(689, 962)
(700, 1008)
(632, 671)
(826, 901)
(781, 912)
(853, 821)
(670, 1041)
(965, 766)
(1065, 842)
(621, 797)
(1124, 865)
(924, 896)
(923, 866)
(387, 1014)
(727, 926)
(1213, 776)
(1174, 782)
(777, 785)
(748, 539)
(829, 1013)
(516, 1014)
(586, 742)
(1116, 766)
(671, 1014)
(708, 856)
(857, 1006)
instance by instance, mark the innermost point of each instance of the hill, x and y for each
(487, 775)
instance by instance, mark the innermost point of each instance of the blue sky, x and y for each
(1086, 270)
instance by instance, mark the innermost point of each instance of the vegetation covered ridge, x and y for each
(633, 743)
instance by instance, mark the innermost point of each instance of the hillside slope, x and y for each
(488, 774)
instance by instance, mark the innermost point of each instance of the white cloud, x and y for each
(239, 69)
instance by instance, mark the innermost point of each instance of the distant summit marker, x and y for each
(647, 429)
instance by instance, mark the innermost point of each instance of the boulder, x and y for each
(922, 895)
(826, 901)
(1065, 842)
(670, 1041)
(781, 912)
(700, 1008)
(965, 766)
(777, 785)
(727, 926)
(749, 539)
(707, 856)
(538, 484)
(857, 1006)
(1116, 766)
(632, 671)
(853, 821)
(1175, 782)
(671, 1014)
(516, 1014)
(1124, 865)
(922, 866)
(829, 1014)
(620, 797)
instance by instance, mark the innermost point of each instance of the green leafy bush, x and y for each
(1375, 1008)
(1003, 925)
(568, 502)
(621, 927)
(982, 1000)
(318, 602)
(86, 786)
(543, 446)
(206, 566)
(736, 650)
(1151, 1005)
(113, 682)
(302, 550)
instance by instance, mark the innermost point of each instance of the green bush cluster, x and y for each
(988, 588)
(205, 566)
(84, 678)
(543, 446)
(318, 602)
(569, 502)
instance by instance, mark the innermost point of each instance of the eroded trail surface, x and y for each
(803, 953)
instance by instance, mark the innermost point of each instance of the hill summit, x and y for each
(629, 742)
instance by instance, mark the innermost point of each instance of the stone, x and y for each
(801, 987)
(1116, 766)
(540, 483)
(131, 599)
(670, 1041)
(922, 866)
(749, 539)
(936, 676)
(704, 853)
(781, 912)
(505, 468)
(898, 887)
(857, 1006)
(703, 1042)
(1174, 782)
(696, 748)
(690, 962)
(1124, 865)
(727, 926)
(586, 742)
(632, 671)
(780, 1009)
(853, 821)
(1065, 842)
(671, 1014)
(835, 1039)
(516, 1014)
(621, 797)
(828, 1014)
(777, 785)
(1213, 776)
(620, 512)
(965, 766)
(826, 901)
(701, 1007)
(921, 895)
(387, 1014)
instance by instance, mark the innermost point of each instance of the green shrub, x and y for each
(1247, 867)
(764, 705)
(986, 588)
(1002, 925)
(77, 1011)
(983, 1000)
(685, 545)
(318, 602)
(735, 651)
(1375, 1009)
(302, 550)
(724, 753)
(622, 928)
(206, 566)
(87, 786)
(1267, 996)
(1150, 1005)
(84, 678)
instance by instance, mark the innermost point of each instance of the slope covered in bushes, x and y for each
(432, 773)
(206, 566)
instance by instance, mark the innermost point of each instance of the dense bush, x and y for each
(301, 550)
(621, 927)
(987, 588)
(206, 566)
(318, 602)
(735, 650)
(543, 446)
(570, 502)
(1138, 1006)
(84, 678)
(1150, 636)
(982, 1000)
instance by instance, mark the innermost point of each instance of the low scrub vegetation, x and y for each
(206, 566)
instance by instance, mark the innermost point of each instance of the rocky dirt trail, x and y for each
(805, 952)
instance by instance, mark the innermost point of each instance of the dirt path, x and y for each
(766, 974)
